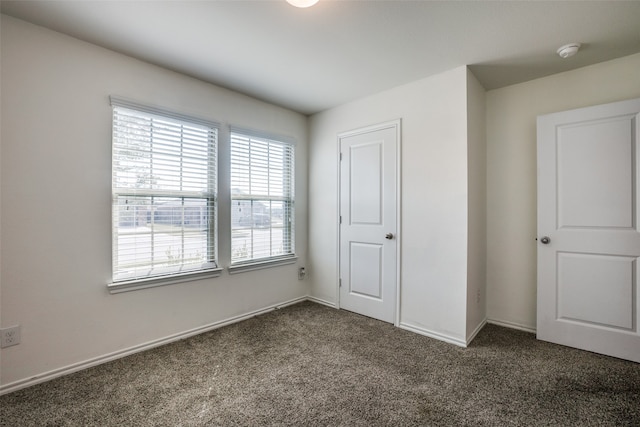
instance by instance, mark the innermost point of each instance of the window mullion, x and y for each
(153, 234)
(251, 213)
(269, 194)
(270, 230)
(182, 219)
(253, 244)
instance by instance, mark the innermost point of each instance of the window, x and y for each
(262, 198)
(164, 194)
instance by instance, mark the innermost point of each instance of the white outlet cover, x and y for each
(9, 336)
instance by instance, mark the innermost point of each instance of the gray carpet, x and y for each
(309, 365)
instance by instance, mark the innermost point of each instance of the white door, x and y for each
(368, 221)
(588, 235)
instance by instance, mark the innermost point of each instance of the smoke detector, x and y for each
(568, 50)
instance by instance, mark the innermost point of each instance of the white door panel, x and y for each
(365, 190)
(365, 275)
(595, 178)
(587, 207)
(596, 289)
(368, 221)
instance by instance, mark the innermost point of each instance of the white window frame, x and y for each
(159, 276)
(287, 198)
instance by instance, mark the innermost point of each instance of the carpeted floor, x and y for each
(310, 365)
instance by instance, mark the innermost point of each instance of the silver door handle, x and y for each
(545, 240)
(388, 236)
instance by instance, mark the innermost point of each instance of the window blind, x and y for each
(164, 193)
(262, 198)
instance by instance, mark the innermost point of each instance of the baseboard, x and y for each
(282, 305)
(512, 325)
(476, 331)
(321, 301)
(79, 366)
(431, 334)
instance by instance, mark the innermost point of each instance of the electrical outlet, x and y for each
(478, 297)
(9, 336)
(301, 273)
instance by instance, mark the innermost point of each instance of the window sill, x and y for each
(250, 266)
(134, 285)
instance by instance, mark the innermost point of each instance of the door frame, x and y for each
(397, 124)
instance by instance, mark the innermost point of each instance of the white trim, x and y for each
(322, 301)
(241, 268)
(75, 367)
(279, 306)
(398, 124)
(339, 222)
(153, 282)
(435, 335)
(371, 128)
(476, 331)
(512, 325)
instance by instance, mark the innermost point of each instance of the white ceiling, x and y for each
(312, 59)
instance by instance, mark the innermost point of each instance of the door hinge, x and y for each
(340, 219)
(340, 156)
(340, 282)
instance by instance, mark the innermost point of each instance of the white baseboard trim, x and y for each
(79, 366)
(512, 325)
(281, 305)
(431, 334)
(476, 331)
(322, 301)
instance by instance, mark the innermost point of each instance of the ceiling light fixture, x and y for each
(302, 3)
(568, 50)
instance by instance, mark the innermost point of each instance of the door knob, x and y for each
(388, 236)
(545, 240)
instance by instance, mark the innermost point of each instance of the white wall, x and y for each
(434, 198)
(477, 183)
(56, 204)
(511, 174)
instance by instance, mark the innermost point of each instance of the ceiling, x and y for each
(312, 59)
